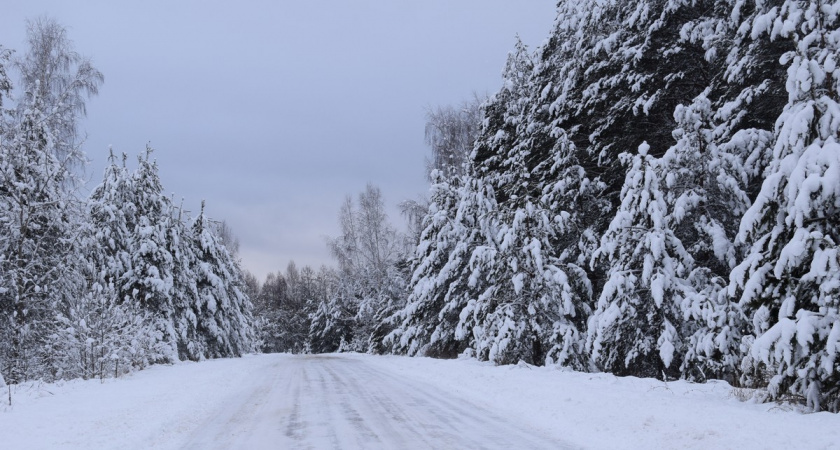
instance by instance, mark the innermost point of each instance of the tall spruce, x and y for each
(789, 281)
(427, 323)
(224, 321)
(39, 148)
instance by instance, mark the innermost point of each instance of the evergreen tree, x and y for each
(704, 188)
(636, 327)
(332, 321)
(542, 290)
(36, 239)
(224, 321)
(283, 309)
(38, 209)
(149, 282)
(115, 214)
(789, 279)
(426, 325)
(269, 309)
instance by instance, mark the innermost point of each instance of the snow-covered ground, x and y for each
(360, 401)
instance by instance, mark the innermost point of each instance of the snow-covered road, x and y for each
(261, 401)
(362, 401)
(325, 402)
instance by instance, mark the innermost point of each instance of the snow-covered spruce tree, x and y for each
(534, 304)
(96, 336)
(636, 328)
(301, 287)
(723, 144)
(116, 211)
(224, 322)
(38, 148)
(175, 286)
(611, 74)
(317, 296)
(272, 314)
(607, 79)
(150, 281)
(549, 150)
(37, 237)
(112, 216)
(441, 284)
(184, 298)
(282, 307)
(790, 279)
(449, 273)
(426, 325)
(332, 321)
(529, 303)
(6, 303)
(703, 185)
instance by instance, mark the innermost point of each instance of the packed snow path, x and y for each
(325, 402)
(362, 401)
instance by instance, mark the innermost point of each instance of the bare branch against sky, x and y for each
(275, 111)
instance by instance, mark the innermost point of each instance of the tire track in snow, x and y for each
(331, 401)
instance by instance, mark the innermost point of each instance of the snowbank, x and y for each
(607, 412)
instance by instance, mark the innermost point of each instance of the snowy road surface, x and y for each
(362, 401)
(325, 402)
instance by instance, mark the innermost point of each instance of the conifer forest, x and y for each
(654, 192)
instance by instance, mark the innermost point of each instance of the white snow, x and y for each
(361, 401)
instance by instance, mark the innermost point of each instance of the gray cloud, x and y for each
(275, 111)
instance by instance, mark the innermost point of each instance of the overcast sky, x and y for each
(273, 112)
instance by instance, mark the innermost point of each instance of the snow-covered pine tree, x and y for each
(332, 321)
(534, 302)
(38, 148)
(224, 322)
(704, 192)
(36, 238)
(302, 287)
(530, 307)
(445, 271)
(726, 132)
(190, 342)
(150, 280)
(110, 249)
(469, 262)
(549, 149)
(426, 324)
(112, 215)
(611, 73)
(271, 309)
(790, 279)
(636, 329)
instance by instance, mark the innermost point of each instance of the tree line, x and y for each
(100, 285)
(653, 192)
